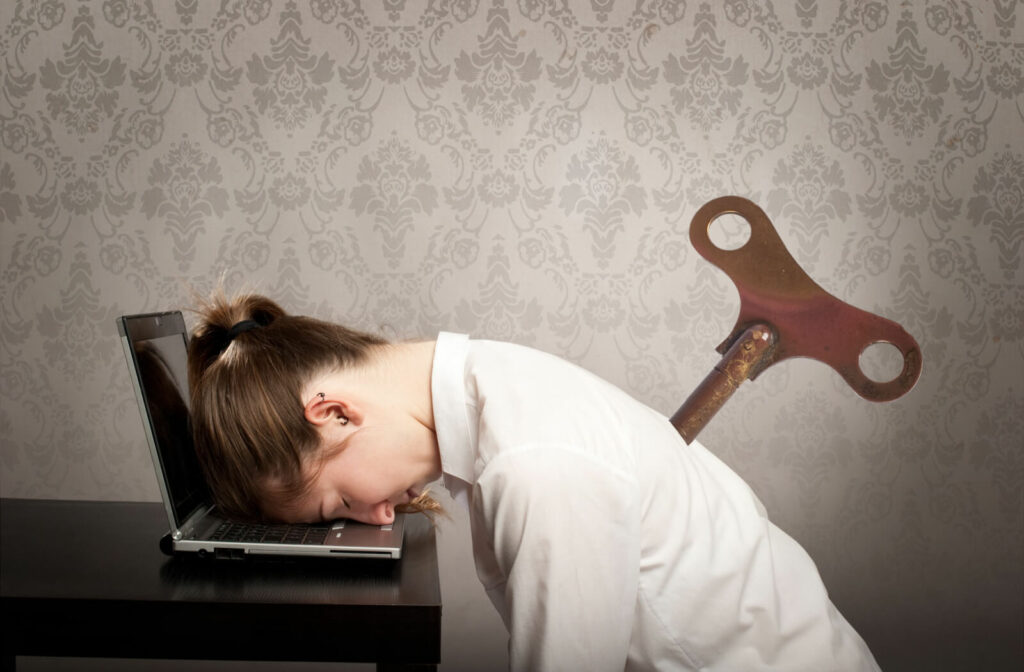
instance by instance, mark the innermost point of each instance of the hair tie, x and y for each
(242, 327)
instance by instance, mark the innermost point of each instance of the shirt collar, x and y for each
(448, 394)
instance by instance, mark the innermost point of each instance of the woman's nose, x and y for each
(376, 514)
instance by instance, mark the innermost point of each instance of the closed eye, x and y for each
(323, 510)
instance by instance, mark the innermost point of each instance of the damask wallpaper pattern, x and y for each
(527, 170)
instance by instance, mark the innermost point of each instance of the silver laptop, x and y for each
(155, 345)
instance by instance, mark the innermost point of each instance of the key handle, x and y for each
(807, 320)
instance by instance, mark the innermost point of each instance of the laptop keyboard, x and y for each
(275, 534)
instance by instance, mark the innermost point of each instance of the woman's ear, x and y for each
(323, 410)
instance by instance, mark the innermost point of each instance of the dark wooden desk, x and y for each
(87, 579)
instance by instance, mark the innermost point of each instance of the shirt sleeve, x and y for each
(565, 534)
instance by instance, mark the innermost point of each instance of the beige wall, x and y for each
(527, 171)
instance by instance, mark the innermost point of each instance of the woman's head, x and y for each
(248, 363)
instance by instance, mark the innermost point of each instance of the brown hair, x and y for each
(248, 419)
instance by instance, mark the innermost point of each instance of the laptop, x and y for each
(155, 345)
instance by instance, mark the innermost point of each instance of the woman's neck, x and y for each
(406, 374)
(396, 375)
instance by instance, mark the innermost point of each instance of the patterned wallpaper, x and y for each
(527, 170)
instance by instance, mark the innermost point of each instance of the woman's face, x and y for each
(381, 459)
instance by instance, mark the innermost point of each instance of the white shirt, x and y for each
(605, 542)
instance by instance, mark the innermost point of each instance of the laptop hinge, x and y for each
(188, 528)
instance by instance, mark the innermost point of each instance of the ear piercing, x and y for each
(323, 397)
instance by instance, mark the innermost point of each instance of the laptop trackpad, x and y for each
(349, 532)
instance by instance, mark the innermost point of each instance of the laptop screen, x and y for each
(160, 358)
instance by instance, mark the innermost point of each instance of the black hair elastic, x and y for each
(242, 327)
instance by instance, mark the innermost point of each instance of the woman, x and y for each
(601, 538)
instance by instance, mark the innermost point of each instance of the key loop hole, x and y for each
(729, 231)
(882, 362)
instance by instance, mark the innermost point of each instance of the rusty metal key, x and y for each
(783, 314)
